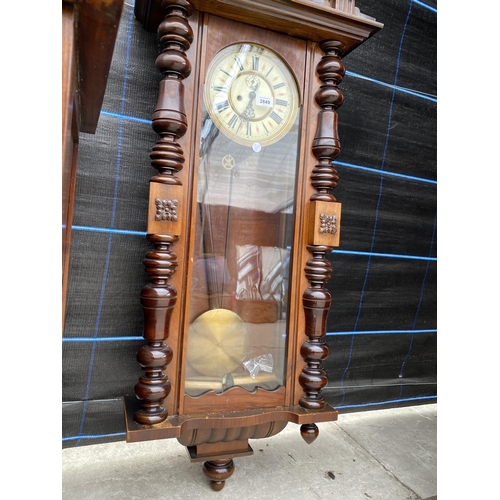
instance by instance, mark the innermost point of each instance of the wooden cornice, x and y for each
(303, 19)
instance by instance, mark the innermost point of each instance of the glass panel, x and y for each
(240, 283)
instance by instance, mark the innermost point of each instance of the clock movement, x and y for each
(241, 219)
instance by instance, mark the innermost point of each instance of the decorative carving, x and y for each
(327, 223)
(158, 298)
(194, 437)
(324, 223)
(343, 5)
(166, 209)
(314, 20)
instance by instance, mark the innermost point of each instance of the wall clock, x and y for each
(241, 218)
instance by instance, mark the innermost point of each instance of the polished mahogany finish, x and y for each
(182, 427)
(312, 37)
(316, 299)
(306, 19)
(218, 471)
(159, 297)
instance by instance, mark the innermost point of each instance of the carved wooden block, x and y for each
(165, 208)
(324, 223)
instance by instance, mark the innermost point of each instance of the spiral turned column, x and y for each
(158, 297)
(324, 232)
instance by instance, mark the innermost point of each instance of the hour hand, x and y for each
(249, 112)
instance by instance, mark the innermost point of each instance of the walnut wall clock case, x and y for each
(241, 218)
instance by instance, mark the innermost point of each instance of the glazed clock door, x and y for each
(244, 208)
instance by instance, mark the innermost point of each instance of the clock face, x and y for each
(251, 94)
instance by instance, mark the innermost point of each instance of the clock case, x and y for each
(312, 38)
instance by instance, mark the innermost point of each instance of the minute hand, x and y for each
(249, 112)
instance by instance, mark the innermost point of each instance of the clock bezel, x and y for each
(288, 75)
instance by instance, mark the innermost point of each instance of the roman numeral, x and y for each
(233, 120)
(239, 63)
(225, 72)
(281, 102)
(276, 117)
(255, 63)
(249, 129)
(279, 85)
(264, 125)
(267, 74)
(221, 89)
(222, 106)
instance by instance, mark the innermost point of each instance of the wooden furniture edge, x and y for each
(96, 29)
(89, 30)
(174, 425)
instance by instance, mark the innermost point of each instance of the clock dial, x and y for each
(251, 94)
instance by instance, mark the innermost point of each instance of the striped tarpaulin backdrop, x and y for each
(382, 324)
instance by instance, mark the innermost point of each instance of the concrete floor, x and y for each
(388, 454)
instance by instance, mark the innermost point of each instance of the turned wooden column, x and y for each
(324, 232)
(158, 297)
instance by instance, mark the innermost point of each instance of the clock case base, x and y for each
(219, 437)
(181, 426)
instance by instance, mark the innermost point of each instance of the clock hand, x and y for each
(249, 112)
(253, 83)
